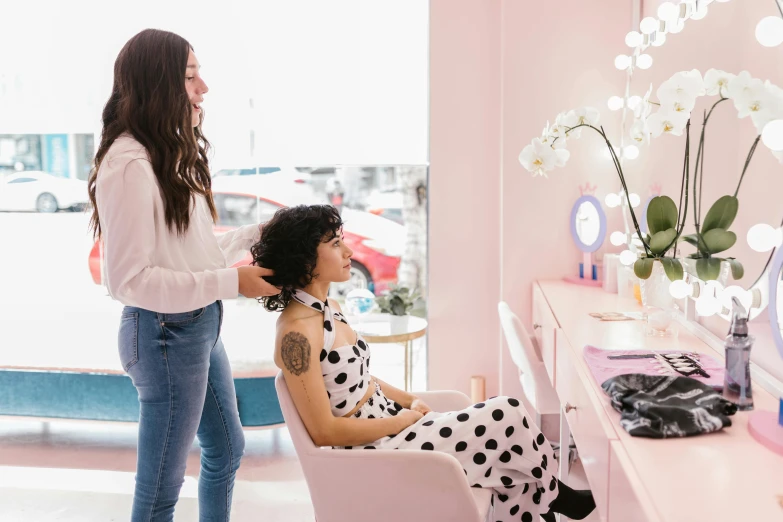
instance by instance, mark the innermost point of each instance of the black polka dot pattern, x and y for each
(497, 446)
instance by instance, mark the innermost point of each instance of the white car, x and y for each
(42, 192)
(287, 173)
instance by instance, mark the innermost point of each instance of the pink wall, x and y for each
(557, 56)
(499, 70)
(464, 226)
(479, 192)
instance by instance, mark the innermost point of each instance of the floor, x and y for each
(70, 471)
(76, 471)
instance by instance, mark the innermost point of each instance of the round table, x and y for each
(387, 328)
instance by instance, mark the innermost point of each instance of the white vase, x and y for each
(658, 302)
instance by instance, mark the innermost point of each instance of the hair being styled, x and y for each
(289, 246)
(149, 101)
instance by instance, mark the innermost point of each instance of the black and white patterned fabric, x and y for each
(496, 442)
(345, 369)
(661, 407)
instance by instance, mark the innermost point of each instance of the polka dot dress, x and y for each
(495, 441)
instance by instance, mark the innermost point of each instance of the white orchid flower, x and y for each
(538, 158)
(584, 116)
(748, 94)
(559, 129)
(771, 106)
(679, 93)
(667, 122)
(717, 82)
(640, 133)
(561, 154)
(778, 154)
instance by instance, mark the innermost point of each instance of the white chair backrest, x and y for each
(523, 353)
(299, 435)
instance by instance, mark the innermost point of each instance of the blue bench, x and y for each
(106, 396)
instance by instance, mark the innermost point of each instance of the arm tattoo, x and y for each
(295, 353)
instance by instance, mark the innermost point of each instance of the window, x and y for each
(336, 115)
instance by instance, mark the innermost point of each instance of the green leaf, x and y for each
(708, 269)
(692, 239)
(643, 268)
(673, 268)
(660, 241)
(737, 270)
(719, 240)
(661, 214)
(721, 214)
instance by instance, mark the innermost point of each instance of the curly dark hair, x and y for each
(288, 245)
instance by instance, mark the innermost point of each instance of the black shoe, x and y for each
(575, 504)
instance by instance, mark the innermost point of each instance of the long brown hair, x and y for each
(149, 101)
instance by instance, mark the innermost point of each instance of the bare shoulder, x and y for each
(299, 341)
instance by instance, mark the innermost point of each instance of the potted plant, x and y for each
(397, 300)
(763, 102)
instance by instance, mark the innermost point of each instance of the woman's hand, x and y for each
(408, 417)
(419, 406)
(252, 284)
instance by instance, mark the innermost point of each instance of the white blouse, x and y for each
(149, 266)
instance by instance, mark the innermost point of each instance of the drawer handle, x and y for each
(568, 407)
(536, 326)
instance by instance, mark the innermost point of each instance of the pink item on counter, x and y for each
(604, 368)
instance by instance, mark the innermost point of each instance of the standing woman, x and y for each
(151, 193)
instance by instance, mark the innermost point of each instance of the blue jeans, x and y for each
(180, 369)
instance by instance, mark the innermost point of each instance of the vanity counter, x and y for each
(721, 476)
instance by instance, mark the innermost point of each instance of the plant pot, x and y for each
(399, 322)
(689, 265)
(658, 302)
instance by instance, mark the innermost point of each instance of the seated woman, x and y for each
(326, 366)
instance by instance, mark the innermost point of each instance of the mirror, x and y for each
(588, 224)
(588, 228)
(776, 299)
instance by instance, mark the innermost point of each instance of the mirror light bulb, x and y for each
(769, 31)
(659, 40)
(622, 62)
(764, 237)
(700, 13)
(631, 152)
(627, 257)
(617, 238)
(707, 306)
(676, 26)
(772, 135)
(633, 39)
(680, 289)
(634, 102)
(612, 200)
(668, 11)
(648, 25)
(615, 103)
(644, 61)
(635, 199)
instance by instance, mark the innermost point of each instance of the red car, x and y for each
(376, 242)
